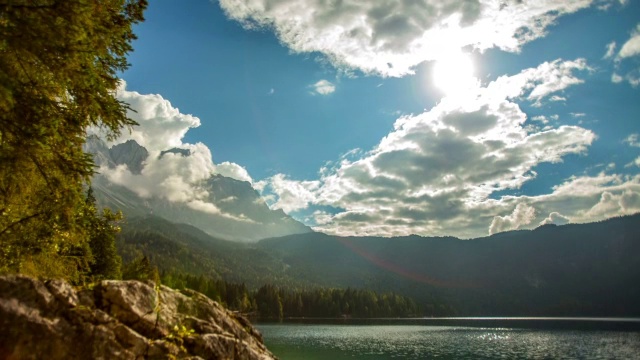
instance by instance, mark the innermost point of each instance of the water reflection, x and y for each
(302, 341)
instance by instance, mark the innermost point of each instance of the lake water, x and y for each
(456, 339)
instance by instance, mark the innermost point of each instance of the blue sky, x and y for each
(393, 117)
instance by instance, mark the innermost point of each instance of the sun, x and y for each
(454, 73)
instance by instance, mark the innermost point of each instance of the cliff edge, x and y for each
(119, 320)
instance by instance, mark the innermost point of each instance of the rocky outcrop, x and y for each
(119, 320)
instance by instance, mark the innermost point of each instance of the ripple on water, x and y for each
(298, 341)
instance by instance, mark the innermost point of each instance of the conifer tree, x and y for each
(104, 261)
(59, 61)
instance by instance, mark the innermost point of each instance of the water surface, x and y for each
(291, 341)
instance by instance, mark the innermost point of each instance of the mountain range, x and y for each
(569, 270)
(242, 213)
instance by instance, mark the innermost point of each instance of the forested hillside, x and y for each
(584, 269)
(577, 269)
(246, 277)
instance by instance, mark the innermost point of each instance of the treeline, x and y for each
(271, 302)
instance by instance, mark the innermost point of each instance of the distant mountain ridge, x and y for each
(236, 199)
(569, 270)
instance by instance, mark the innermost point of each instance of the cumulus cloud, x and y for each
(632, 46)
(523, 214)
(171, 176)
(555, 218)
(625, 202)
(391, 37)
(323, 87)
(176, 175)
(436, 172)
(292, 195)
(591, 198)
(161, 126)
(233, 171)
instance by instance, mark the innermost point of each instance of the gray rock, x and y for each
(119, 320)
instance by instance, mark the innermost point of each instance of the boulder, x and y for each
(119, 320)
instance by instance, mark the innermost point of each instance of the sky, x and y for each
(394, 117)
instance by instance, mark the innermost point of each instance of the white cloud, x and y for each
(632, 140)
(615, 78)
(210, 208)
(556, 218)
(233, 171)
(632, 46)
(161, 126)
(553, 77)
(557, 98)
(434, 174)
(292, 195)
(604, 6)
(319, 218)
(588, 199)
(625, 203)
(323, 87)
(635, 162)
(539, 82)
(523, 214)
(169, 175)
(611, 50)
(391, 37)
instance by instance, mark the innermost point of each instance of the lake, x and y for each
(459, 338)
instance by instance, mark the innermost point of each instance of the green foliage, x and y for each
(185, 249)
(271, 302)
(102, 229)
(58, 67)
(141, 269)
(178, 334)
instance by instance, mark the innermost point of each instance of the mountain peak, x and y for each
(131, 154)
(178, 151)
(232, 209)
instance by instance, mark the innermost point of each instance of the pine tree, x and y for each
(59, 61)
(104, 262)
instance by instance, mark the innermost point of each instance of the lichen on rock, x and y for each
(119, 320)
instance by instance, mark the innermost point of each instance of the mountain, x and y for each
(570, 270)
(243, 215)
(579, 269)
(186, 249)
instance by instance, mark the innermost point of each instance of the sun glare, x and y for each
(454, 73)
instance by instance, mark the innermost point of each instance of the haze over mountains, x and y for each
(226, 208)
